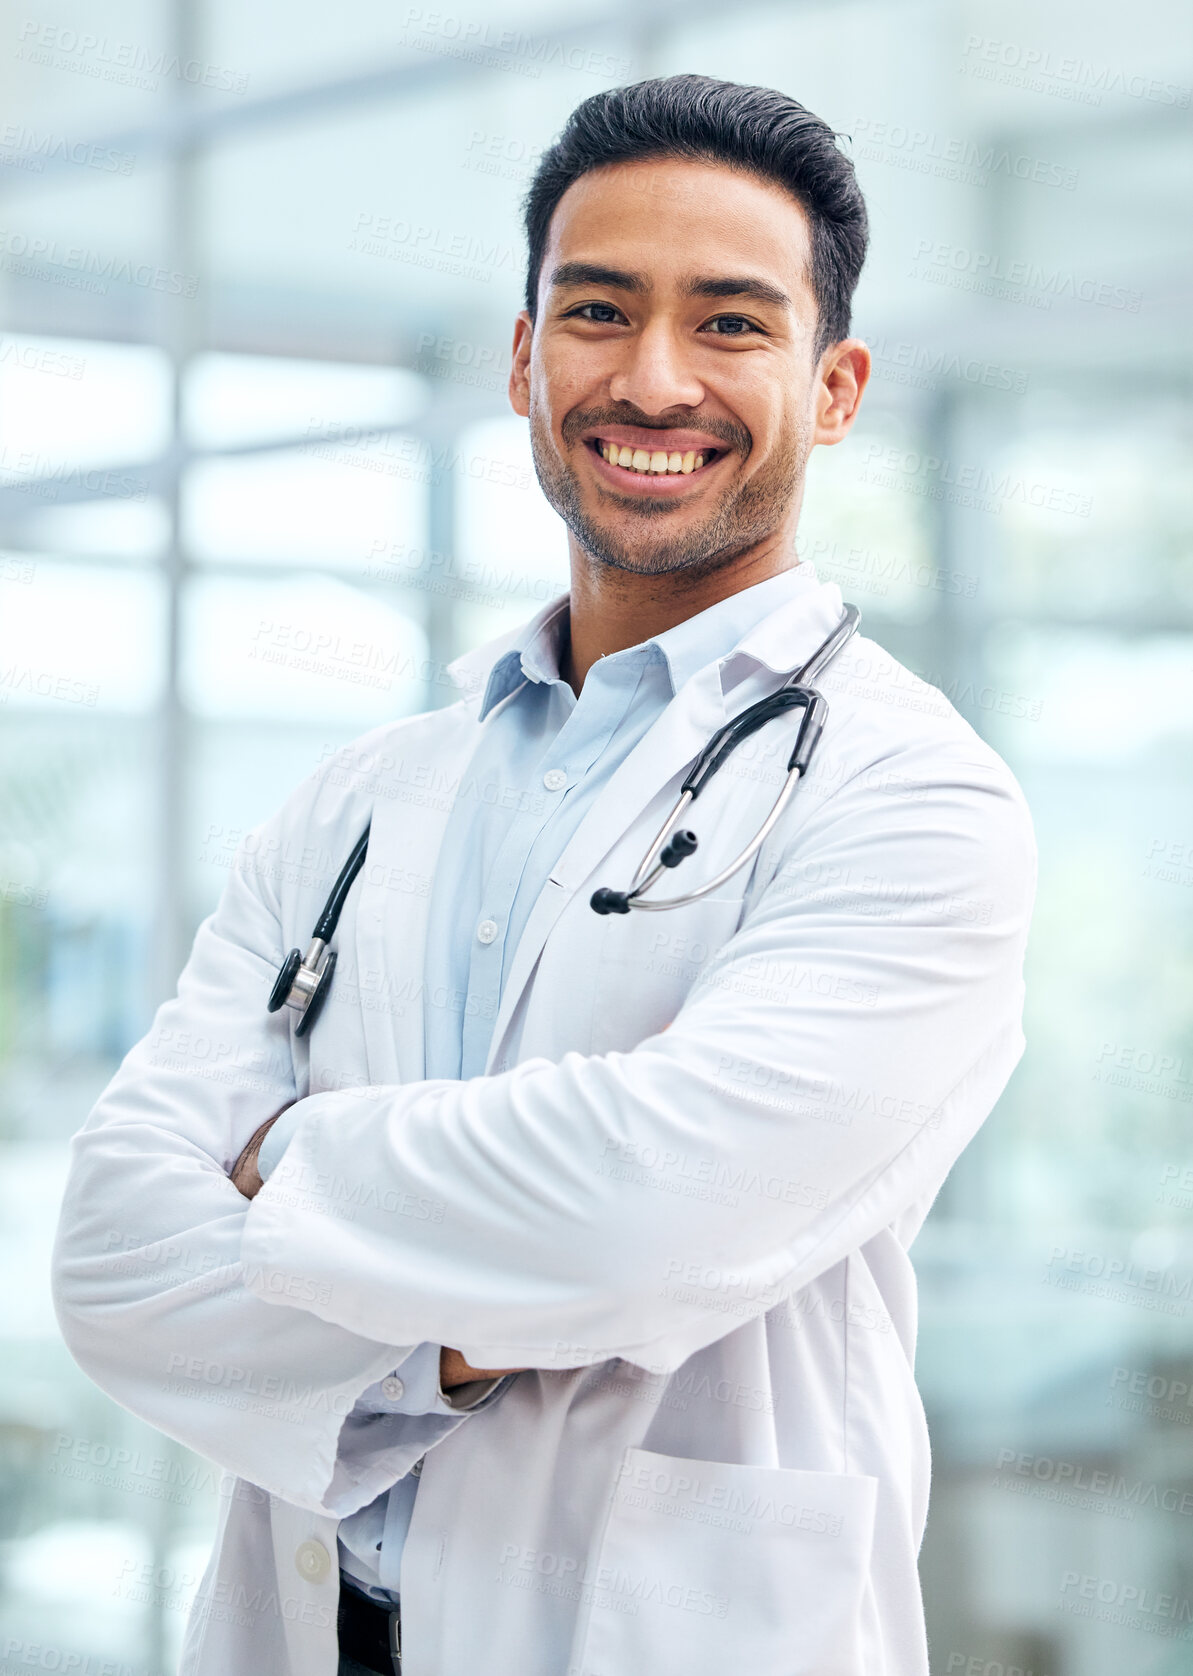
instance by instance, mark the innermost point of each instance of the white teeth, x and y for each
(645, 460)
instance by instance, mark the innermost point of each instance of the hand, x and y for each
(245, 1174)
(454, 1370)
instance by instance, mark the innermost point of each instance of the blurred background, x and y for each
(259, 481)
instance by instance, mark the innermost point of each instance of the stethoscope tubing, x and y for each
(304, 979)
(796, 690)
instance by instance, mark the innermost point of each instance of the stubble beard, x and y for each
(744, 517)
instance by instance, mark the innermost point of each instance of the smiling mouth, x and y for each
(658, 462)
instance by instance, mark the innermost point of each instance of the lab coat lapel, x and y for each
(780, 642)
(408, 824)
(665, 752)
(409, 819)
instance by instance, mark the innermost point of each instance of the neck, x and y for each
(612, 609)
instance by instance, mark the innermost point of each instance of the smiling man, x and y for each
(543, 1285)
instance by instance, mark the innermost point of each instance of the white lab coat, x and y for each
(682, 1196)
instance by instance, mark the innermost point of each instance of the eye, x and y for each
(605, 314)
(733, 326)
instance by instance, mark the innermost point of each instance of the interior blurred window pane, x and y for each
(80, 637)
(337, 503)
(101, 529)
(234, 399)
(77, 835)
(69, 408)
(310, 648)
(82, 73)
(1072, 671)
(511, 546)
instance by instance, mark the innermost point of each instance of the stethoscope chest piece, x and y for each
(303, 983)
(303, 980)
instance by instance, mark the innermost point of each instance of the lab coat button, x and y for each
(487, 930)
(392, 1387)
(555, 779)
(416, 1469)
(313, 1561)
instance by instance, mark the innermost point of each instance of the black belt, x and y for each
(369, 1632)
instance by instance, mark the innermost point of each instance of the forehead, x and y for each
(669, 217)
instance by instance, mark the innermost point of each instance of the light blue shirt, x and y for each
(542, 757)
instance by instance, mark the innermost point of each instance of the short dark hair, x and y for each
(750, 128)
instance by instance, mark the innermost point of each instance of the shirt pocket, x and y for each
(712, 1567)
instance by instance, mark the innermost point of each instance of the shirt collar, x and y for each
(752, 626)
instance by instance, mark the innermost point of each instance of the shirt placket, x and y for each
(579, 743)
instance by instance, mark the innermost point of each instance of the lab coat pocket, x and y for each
(710, 1567)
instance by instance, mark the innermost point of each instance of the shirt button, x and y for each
(555, 779)
(393, 1387)
(313, 1561)
(486, 930)
(416, 1469)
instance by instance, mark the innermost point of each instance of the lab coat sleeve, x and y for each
(371, 1438)
(276, 1142)
(826, 1069)
(148, 1284)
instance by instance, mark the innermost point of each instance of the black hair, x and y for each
(752, 128)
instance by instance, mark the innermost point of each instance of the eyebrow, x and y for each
(742, 285)
(735, 285)
(596, 273)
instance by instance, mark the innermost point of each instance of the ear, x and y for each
(519, 387)
(843, 375)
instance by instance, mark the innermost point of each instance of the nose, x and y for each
(654, 374)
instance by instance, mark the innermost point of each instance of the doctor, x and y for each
(555, 1283)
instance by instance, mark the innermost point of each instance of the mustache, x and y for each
(582, 419)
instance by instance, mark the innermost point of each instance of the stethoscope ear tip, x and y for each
(606, 901)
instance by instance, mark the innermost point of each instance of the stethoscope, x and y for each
(796, 692)
(304, 979)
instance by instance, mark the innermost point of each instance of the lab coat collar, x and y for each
(769, 608)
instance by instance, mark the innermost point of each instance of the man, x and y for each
(575, 1312)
